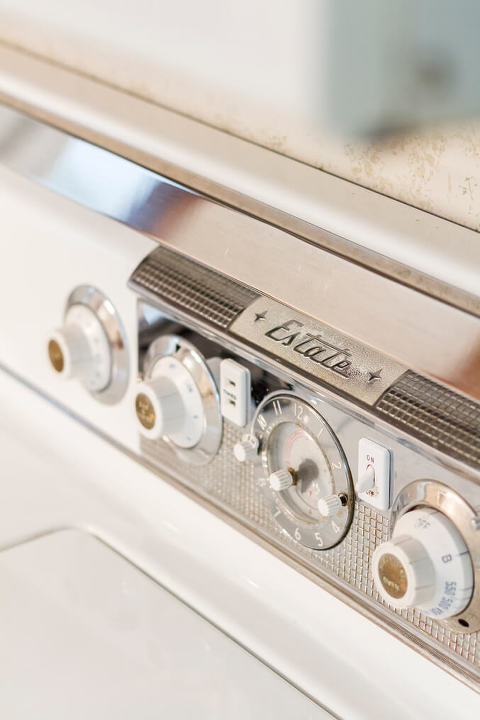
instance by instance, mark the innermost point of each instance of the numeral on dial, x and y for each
(298, 411)
(262, 422)
(277, 407)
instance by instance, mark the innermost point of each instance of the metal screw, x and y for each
(475, 522)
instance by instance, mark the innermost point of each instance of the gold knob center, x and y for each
(145, 411)
(56, 355)
(392, 575)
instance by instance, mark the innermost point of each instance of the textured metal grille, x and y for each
(435, 415)
(185, 284)
(231, 485)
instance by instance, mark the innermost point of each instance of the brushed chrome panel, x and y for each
(416, 330)
(388, 236)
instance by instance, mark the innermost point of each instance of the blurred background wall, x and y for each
(255, 69)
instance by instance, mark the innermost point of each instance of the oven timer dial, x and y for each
(301, 469)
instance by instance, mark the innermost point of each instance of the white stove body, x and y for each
(59, 474)
(88, 634)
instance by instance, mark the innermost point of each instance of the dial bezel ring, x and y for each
(187, 354)
(112, 326)
(315, 534)
(431, 493)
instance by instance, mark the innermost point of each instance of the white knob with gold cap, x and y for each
(80, 349)
(168, 404)
(159, 408)
(426, 565)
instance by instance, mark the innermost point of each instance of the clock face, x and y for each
(304, 471)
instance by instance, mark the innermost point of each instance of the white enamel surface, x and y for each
(85, 634)
(41, 265)
(56, 473)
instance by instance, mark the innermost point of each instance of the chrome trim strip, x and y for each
(425, 334)
(322, 208)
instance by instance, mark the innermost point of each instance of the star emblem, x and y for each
(260, 316)
(372, 376)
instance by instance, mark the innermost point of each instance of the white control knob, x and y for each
(366, 481)
(159, 407)
(329, 505)
(280, 480)
(426, 565)
(81, 349)
(169, 404)
(247, 449)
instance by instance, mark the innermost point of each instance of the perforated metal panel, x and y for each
(232, 486)
(185, 284)
(430, 412)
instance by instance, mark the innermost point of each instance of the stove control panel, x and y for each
(313, 445)
(276, 445)
(343, 493)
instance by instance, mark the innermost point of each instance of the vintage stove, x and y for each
(203, 391)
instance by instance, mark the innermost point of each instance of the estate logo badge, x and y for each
(316, 348)
(312, 346)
